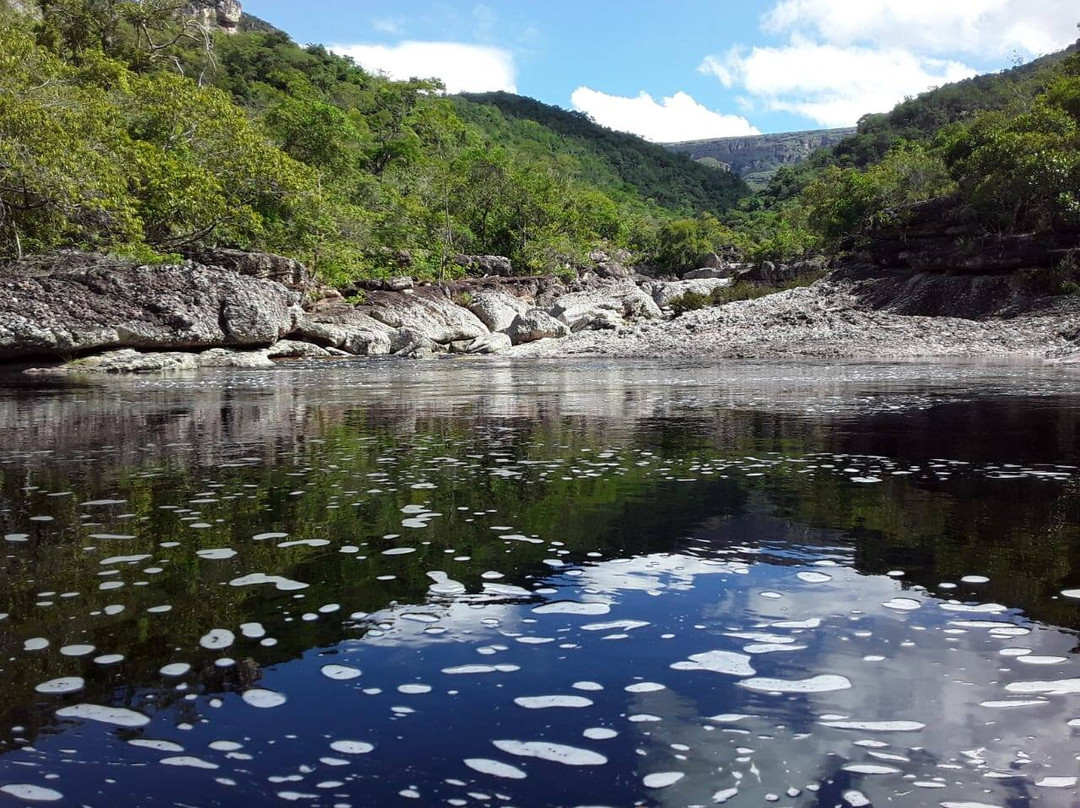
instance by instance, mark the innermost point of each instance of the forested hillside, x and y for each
(1001, 151)
(134, 128)
(614, 161)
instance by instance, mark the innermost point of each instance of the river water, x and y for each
(562, 583)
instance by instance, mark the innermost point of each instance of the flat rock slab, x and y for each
(109, 306)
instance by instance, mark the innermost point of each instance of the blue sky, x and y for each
(686, 69)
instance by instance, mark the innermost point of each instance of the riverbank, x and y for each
(86, 313)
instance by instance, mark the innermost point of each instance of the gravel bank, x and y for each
(826, 321)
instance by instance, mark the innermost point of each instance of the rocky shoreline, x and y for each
(75, 313)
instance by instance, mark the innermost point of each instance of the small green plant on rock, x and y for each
(359, 298)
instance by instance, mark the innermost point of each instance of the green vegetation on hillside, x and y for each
(126, 128)
(1003, 149)
(614, 161)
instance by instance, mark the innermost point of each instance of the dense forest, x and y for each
(134, 129)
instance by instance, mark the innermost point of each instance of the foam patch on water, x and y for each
(725, 662)
(31, 793)
(117, 716)
(65, 684)
(824, 683)
(662, 779)
(280, 583)
(573, 607)
(340, 673)
(263, 699)
(552, 752)
(876, 726)
(352, 747)
(495, 768)
(545, 702)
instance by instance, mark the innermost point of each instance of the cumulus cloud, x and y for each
(982, 27)
(461, 67)
(845, 58)
(830, 84)
(674, 118)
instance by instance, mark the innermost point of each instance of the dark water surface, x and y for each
(542, 584)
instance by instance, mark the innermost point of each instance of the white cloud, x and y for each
(677, 117)
(845, 58)
(462, 68)
(830, 84)
(988, 28)
(386, 25)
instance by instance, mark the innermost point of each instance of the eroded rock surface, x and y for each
(82, 304)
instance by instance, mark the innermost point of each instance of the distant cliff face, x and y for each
(758, 157)
(223, 14)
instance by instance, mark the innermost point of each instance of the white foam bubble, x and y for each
(189, 762)
(495, 768)
(263, 699)
(352, 747)
(662, 779)
(340, 673)
(725, 662)
(64, 684)
(573, 607)
(31, 793)
(217, 638)
(825, 683)
(600, 733)
(553, 752)
(258, 578)
(117, 716)
(876, 726)
(545, 702)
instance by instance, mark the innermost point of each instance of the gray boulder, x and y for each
(707, 273)
(490, 344)
(497, 265)
(582, 310)
(535, 325)
(128, 360)
(411, 343)
(287, 271)
(497, 310)
(440, 320)
(293, 349)
(345, 327)
(224, 358)
(95, 303)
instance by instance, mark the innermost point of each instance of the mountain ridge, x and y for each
(756, 158)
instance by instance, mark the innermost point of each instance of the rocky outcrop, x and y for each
(535, 325)
(128, 360)
(224, 15)
(490, 344)
(756, 158)
(427, 312)
(497, 310)
(604, 307)
(345, 327)
(289, 272)
(496, 265)
(76, 304)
